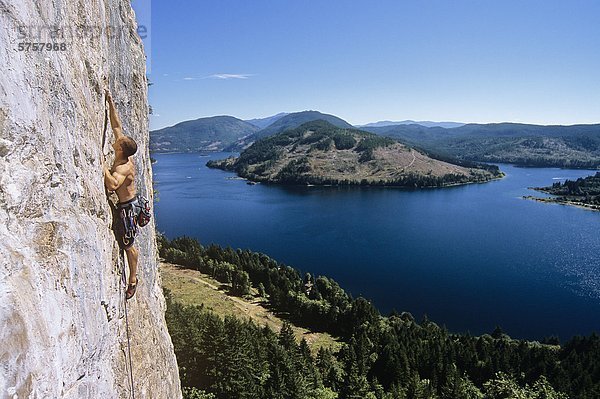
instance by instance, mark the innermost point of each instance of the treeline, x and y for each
(293, 174)
(317, 303)
(369, 144)
(382, 357)
(583, 186)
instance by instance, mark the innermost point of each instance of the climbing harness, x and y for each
(133, 214)
(128, 220)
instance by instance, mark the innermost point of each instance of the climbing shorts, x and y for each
(130, 216)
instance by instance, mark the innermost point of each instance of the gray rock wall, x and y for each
(62, 325)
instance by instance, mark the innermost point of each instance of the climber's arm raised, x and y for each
(115, 121)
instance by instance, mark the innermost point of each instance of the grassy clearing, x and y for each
(191, 287)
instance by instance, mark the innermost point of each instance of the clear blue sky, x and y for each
(364, 61)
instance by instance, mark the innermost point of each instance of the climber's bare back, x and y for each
(125, 191)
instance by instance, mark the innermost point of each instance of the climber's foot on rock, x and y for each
(131, 289)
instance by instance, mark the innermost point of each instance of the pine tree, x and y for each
(355, 384)
(287, 339)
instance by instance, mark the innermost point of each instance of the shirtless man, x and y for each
(120, 178)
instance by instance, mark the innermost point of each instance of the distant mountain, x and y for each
(489, 130)
(204, 134)
(447, 125)
(290, 121)
(320, 153)
(521, 129)
(575, 146)
(264, 122)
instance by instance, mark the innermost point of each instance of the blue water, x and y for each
(469, 257)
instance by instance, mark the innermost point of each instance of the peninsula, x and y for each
(583, 192)
(319, 153)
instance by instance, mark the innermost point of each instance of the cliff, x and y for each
(62, 323)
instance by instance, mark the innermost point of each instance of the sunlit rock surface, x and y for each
(62, 324)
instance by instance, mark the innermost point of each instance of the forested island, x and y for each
(583, 192)
(319, 153)
(381, 357)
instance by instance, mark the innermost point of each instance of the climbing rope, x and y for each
(123, 279)
(122, 256)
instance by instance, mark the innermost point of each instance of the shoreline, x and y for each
(581, 205)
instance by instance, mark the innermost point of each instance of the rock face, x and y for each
(62, 318)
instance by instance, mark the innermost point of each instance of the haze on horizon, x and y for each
(473, 62)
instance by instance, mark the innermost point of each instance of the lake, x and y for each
(469, 257)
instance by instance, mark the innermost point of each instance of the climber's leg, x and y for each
(132, 260)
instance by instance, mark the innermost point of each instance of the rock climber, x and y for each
(121, 179)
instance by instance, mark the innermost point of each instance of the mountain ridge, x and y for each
(447, 125)
(576, 146)
(203, 134)
(266, 121)
(289, 121)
